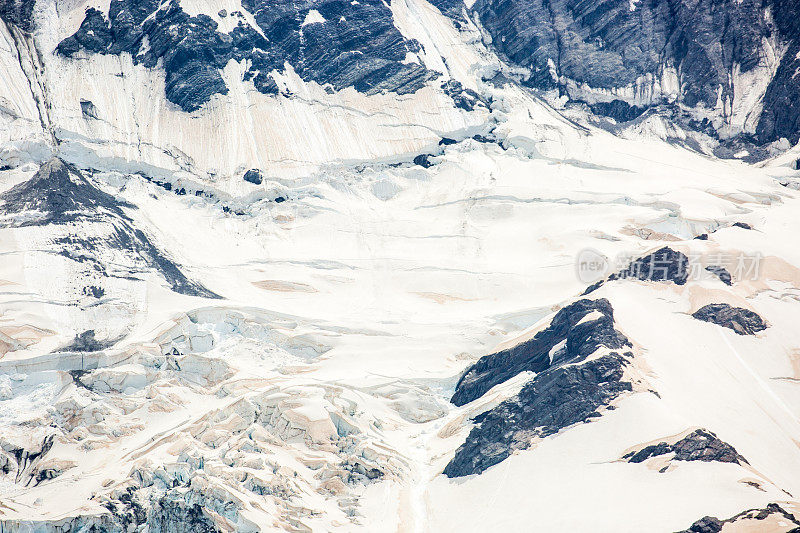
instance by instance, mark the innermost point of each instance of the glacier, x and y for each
(320, 265)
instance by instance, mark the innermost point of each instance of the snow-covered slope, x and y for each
(452, 307)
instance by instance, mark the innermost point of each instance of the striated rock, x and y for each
(618, 56)
(355, 45)
(58, 194)
(700, 445)
(581, 338)
(563, 392)
(742, 321)
(553, 400)
(781, 114)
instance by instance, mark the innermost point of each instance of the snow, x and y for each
(286, 136)
(352, 308)
(214, 8)
(313, 17)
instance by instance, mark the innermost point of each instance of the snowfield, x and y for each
(300, 378)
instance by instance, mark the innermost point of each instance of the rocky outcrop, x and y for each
(707, 524)
(580, 339)
(59, 195)
(619, 110)
(56, 194)
(553, 400)
(341, 44)
(423, 160)
(665, 264)
(18, 12)
(721, 272)
(253, 176)
(742, 321)
(623, 56)
(781, 114)
(750, 520)
(699, 445)
(565, 390)
(85, 342)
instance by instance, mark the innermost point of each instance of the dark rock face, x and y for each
(357, 45)
(93, 35)
(781, 115)
(710, 524)
(664, 264)
(463, 98)
(589, 41)
(561, 394)
(721, 272)
(707, 524)
(619, 110)
(85, 342)
(553, 400)
(423, 160)
(59, 194)
(700, 445)
(606, 44)
(742, 321)
(94, 291)
(18, 12)
(253, 176)
(451, 8)
(581, 340)
(88, 110)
